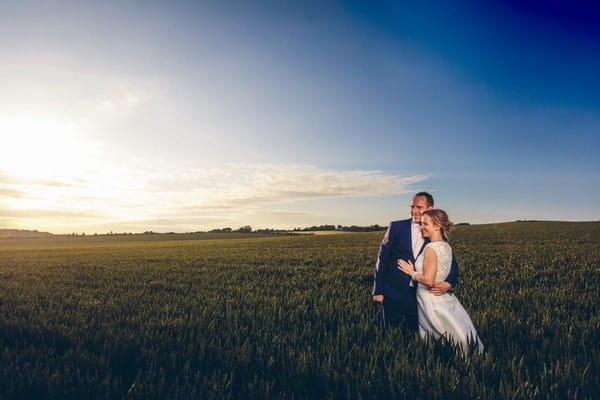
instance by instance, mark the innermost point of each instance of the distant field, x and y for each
(58, 241)
(225, 316)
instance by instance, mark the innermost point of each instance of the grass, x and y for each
(201, 316)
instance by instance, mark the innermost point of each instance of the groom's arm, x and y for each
(440, 288)
(382, 259)
(452, 277)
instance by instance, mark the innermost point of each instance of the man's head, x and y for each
(420, 202)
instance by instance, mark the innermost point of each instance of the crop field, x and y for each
(291, 317)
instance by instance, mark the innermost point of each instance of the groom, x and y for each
(403, 240)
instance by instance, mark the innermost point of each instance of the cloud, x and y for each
(72, 91)
(249, 185)
(169, 191)
(48, 213)
(7, 192)
(17, 181)
(122, 100)
(169, 197)
(180, 223)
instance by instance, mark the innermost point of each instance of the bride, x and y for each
(439, 316)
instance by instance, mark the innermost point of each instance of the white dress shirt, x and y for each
(417, 238)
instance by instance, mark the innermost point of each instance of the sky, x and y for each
(180, 116)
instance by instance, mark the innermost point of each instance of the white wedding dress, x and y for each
(443, 316)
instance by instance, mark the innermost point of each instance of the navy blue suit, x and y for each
(399, 298)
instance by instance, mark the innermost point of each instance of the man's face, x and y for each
(417, 206)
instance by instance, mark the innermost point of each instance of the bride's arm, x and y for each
(429, 268)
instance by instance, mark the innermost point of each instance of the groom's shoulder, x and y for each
(400, 223)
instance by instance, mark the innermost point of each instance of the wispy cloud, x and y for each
(73, 215)
(164, 196)
(71, 91)
(13, 193)
(8, 180)
(122, 100)
(248, 185)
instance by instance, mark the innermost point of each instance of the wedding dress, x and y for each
(443, 316)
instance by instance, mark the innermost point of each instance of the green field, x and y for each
(173, 316)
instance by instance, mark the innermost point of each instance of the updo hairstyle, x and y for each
(440, 218)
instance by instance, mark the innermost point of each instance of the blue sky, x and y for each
(177, 116)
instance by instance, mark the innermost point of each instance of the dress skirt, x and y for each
(444, 317)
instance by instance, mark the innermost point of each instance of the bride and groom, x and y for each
(415, 274)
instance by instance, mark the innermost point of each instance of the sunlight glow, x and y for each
(41, 147)
(45, 165)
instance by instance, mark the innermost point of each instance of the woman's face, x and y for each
(428, 227)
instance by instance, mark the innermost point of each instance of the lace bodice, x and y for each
(444, 259)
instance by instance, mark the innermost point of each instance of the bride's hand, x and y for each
(406, 266)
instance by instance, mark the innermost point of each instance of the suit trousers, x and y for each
(397, 314)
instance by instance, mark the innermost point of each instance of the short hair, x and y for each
(428, 198)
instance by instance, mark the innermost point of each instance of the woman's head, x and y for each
(439, 220)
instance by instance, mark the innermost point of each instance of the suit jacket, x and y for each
(389, 280)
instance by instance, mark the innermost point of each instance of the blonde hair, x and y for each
(440, 218)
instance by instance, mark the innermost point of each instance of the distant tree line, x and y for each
(351, 228)
(243, 229)
(16, 233)
(22, 234)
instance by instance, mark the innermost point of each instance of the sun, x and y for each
(45, 165)
(38, 147)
